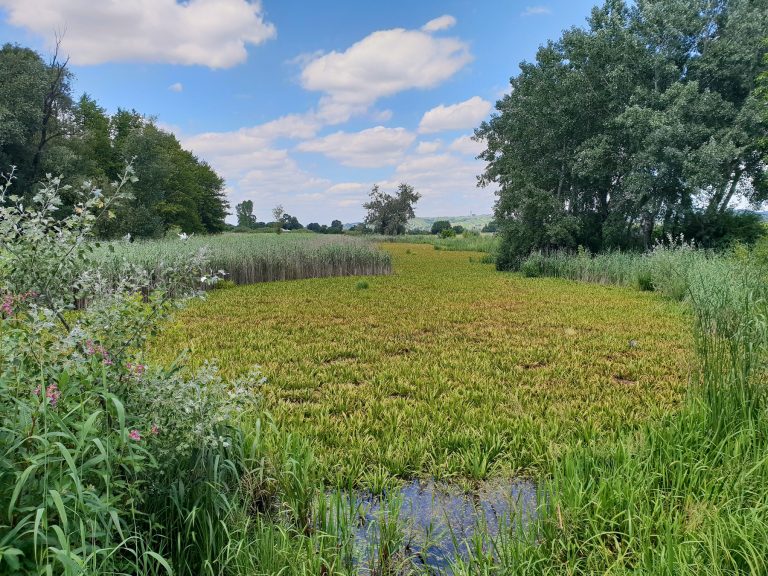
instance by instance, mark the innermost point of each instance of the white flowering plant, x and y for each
(88, 432)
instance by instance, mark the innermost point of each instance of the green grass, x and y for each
(486, 243)
(446, 367)
(249, 258)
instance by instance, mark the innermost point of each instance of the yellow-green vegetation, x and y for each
(446, 367)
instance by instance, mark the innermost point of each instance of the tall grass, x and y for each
(688, 494)
(248, 258)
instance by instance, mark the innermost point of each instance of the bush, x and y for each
(447, 233)
(439, 225)
(103, 460)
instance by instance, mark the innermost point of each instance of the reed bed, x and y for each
(248, 258)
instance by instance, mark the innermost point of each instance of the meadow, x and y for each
(444, 369)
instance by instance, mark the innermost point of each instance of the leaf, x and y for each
(57, 501)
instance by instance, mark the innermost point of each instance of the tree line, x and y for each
(44, 129)
(645, 124)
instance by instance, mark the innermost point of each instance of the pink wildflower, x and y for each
(53, 393)
(7, 305)
(92, 349)
(135, 369)
(134, 435)
(155, 429)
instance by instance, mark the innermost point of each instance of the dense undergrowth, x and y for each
(109, 465)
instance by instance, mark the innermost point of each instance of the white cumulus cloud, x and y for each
(461, 116)
(465, 145)
(213, 33)
(371, 148)
(428, 146)
(381, 64)
(440, 23)
(176, 87)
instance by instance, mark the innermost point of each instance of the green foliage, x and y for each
(646, 123)
(244, 213)
(35, 102)
(289, 222)
(439, 225)
(37, 112)
(447, 233)
(389, 214)
(92, 439)
(491, 227)
(336, 227)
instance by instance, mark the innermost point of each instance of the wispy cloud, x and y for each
(176, 87)
(536, 11)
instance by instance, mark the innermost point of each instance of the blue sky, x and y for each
(307, 104)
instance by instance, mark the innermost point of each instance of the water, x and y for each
(438, 522)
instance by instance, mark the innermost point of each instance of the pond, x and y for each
(431, 523)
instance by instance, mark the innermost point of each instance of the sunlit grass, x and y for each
(445, 368)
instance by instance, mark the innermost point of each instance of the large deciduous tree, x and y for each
(389, 214)
(244, 213)
(645, 123)
(43, 130)
(35, 102)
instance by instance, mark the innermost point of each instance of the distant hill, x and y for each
(474, 222)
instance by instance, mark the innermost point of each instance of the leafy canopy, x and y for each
(646, 123)
(389, 214)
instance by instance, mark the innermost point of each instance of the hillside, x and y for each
(474, 222)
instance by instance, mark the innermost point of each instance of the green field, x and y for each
(445, 368)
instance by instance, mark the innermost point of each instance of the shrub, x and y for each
(439, 225)
(102, 458)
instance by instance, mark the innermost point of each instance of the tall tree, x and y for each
(389, 214)
(244, 213)
(35, 98)
(639, 125)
